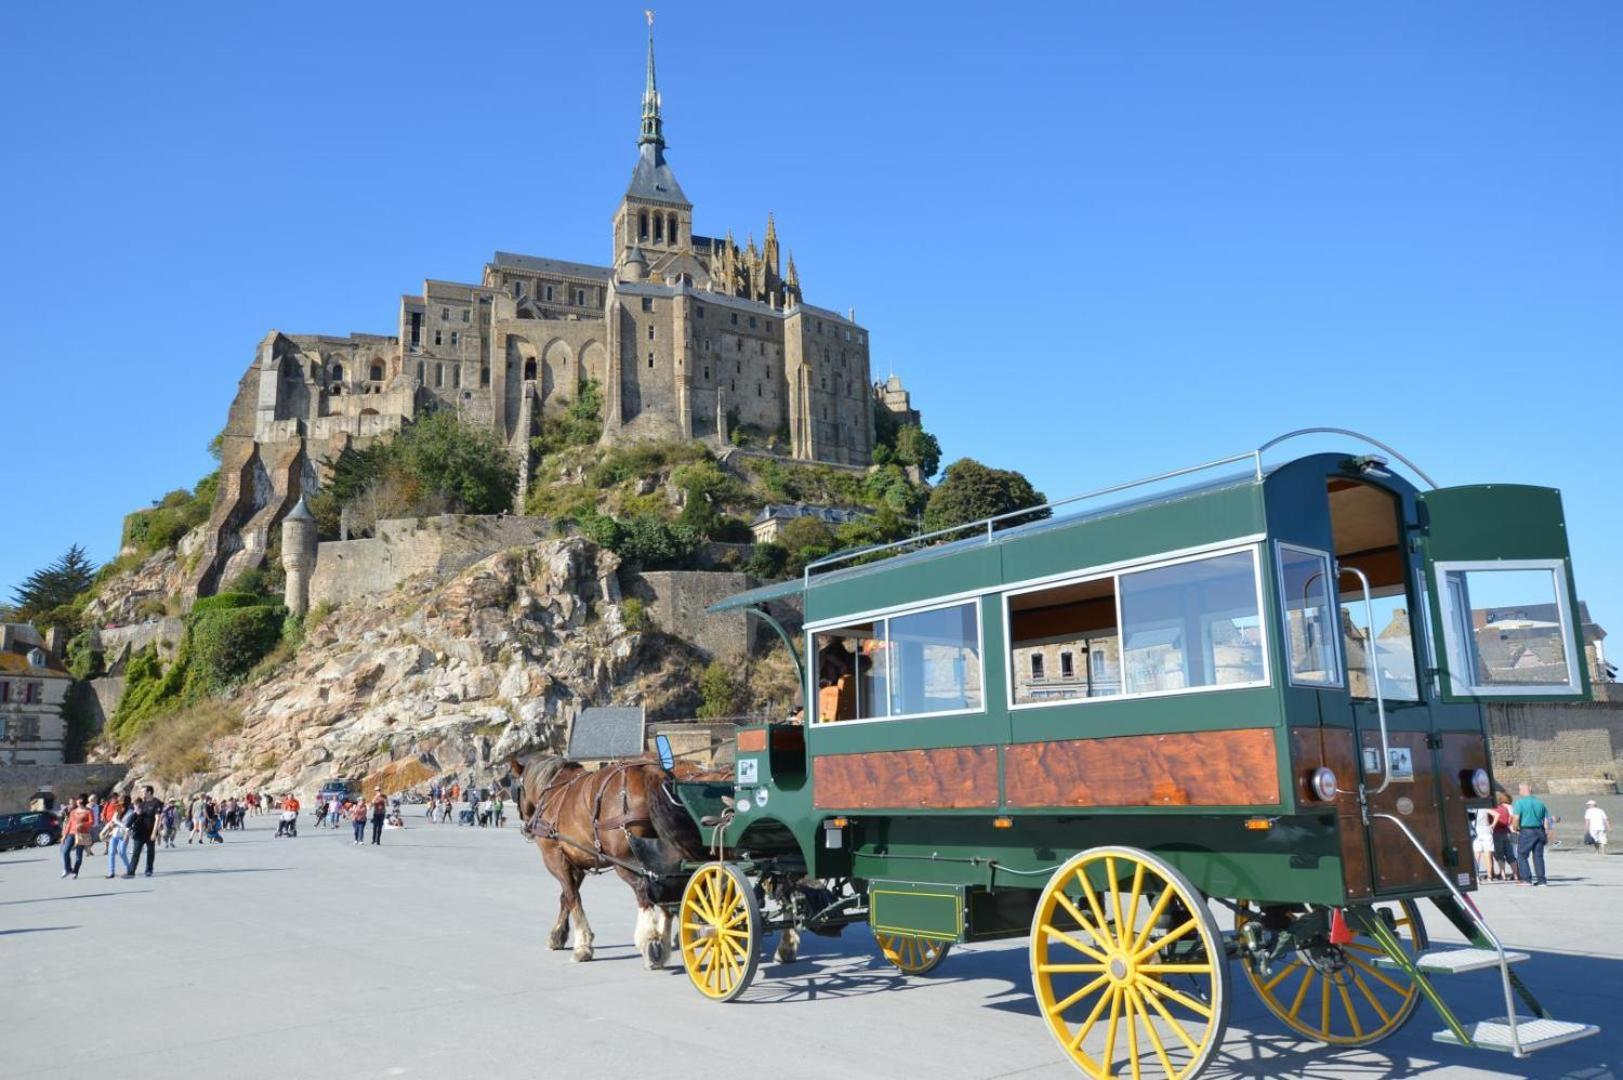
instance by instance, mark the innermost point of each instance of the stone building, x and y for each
(33, 696)
(687, 337)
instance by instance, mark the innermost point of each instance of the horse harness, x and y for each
(539, 827)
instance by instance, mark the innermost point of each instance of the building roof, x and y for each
(652, 179)
(508, 261)
(15, 661)
(787, 512)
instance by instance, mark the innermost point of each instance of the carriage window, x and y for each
(935, 661)
(1192, 624)
(1310, 627)
(1506, 627)
(851, 667)
(1393, 643)
(1051, 628)
(928, 662)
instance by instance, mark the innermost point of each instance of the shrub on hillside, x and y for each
(226, 644)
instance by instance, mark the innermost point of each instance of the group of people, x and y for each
(1510, 837)
(357, 811)
(484, 809)
(129, 826)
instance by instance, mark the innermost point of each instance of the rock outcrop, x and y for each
(441, 679)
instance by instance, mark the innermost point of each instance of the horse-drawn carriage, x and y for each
(1237, 720)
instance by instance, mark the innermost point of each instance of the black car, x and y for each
(36, 828)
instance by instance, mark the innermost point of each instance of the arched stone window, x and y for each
(439, 374)
(377, 371)
(338, 373)
(484, 376)
(659, 228)
(642, 225)
(670, 231)
(529, 369)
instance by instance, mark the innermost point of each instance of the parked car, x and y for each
(36, 828)
(340, 790)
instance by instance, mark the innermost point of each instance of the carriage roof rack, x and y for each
(985, 531)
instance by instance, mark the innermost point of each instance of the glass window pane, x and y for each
(1517, 635)
(851, 673)
(1063, 642)
(1192, 624)
(935, 661)
(1310, 646)
(1394, 645)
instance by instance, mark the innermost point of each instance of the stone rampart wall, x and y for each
(1560, 748)
(677, 600)
(121, 642)
(347, 570)
(18, 783)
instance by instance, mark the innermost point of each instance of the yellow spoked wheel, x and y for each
(1129, 966)
(720, 933)
(1337, 994)
(912, 955)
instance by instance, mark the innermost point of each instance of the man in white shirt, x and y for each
(1596, 823)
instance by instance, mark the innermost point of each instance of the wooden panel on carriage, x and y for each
(1332, 748)
(1194, 768)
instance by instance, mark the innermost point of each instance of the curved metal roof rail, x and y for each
(1371, 440)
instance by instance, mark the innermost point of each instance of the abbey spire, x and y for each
(653, 132)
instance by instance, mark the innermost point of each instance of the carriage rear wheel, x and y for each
(1338, 993)
(720, 932)
(1129, 967)
(910, 954)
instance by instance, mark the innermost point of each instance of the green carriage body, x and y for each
(953, 817)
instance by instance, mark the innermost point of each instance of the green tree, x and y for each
(54, 586)
(807, 539)
(466, 465)
(720, 693)
(915, 446)
(971, 491)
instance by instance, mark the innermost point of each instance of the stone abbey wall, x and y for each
(347, 570)
(1566, 749)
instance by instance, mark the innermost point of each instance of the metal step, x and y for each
(1535, 1034)
(1455, 961)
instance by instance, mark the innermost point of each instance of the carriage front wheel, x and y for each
(720, 931)
(911, 955)
(1129, 967)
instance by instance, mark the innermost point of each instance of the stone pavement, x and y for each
(426, 957)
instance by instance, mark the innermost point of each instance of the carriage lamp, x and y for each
(1003, 823)
(1481, 785)
(1323, 783)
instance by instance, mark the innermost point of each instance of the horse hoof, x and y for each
(654, 954)
(582, 956)
(557, 944)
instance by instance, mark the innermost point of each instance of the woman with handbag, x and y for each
(77, 831)
(117, 834)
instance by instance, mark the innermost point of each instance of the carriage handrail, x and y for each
(990, 524)
(1351, 434)
(1481, 924)
(1375, 677)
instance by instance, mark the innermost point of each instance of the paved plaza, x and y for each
(426, 957)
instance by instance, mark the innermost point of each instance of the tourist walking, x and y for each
(1482, 843)
(357, 818)
(1504, 846)
(380, 807)
(144, 830)
(196, 814)
(76, 833)
(171, 823)
(117, 834)
(1596, 824)
(1529, 817)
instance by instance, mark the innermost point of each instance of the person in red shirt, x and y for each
(1504, 854)
(380, 807)
(76, 833)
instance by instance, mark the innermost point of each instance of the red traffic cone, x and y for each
(1340, 932)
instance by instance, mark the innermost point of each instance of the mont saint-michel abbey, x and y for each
(685, 335)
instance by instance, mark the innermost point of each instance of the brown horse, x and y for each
(620, 817)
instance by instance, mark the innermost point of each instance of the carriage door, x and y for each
(1502, 595)
(1382, 641)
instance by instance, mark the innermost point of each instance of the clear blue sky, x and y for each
(1097, 240)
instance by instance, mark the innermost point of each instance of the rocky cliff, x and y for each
(444, 678)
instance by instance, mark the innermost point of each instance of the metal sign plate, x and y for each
(602, 733)
(747, 773)
(1401, 760)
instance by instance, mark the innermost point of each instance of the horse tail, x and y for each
(672, 823)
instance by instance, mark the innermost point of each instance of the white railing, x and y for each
(987, 526)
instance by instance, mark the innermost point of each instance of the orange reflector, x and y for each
(839, 823)
(1340, 932)
(1259, 824)
(1003, 823)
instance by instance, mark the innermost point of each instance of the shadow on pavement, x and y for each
(74, 896)
(36, 930)
(225, 870)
